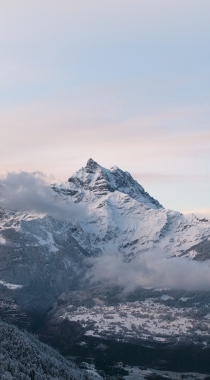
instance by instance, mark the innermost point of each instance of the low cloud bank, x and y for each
(31, 192)
(151, 269)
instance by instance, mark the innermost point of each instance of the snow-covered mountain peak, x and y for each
(92, 165)
(94, 180)
(122, 217)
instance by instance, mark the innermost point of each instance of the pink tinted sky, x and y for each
(124, 82)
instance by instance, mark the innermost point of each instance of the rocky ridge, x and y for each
(122, 217)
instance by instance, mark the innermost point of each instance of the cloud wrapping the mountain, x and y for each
(151, 269)
(31, 192)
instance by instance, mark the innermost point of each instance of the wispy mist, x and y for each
(151, 269)
(31, 192)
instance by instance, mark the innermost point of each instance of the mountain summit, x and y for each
(101, 182)
(122, 217)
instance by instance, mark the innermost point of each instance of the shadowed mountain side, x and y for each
(39, 261)
(201, 251)
(24, 357)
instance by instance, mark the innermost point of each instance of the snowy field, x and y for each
(147, 319)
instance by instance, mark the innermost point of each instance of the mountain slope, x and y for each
(95, 181)
(39, 259)
(23, 357)
(122, 217)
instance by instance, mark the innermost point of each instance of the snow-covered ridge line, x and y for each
(101, 181)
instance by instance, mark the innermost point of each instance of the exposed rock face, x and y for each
(199, 252)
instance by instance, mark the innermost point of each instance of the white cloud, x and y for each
(151, 269)
(31, 192)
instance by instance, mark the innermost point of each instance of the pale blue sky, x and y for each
(126, 82)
